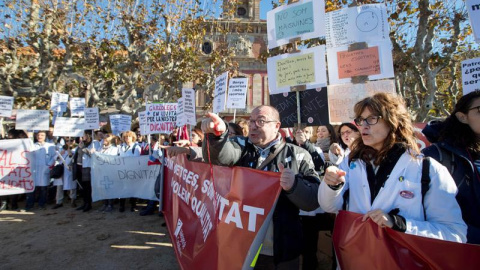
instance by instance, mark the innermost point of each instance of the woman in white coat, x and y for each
(383, 176)
(129, 149)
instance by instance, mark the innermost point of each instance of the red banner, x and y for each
(365, 245)
(208, 237)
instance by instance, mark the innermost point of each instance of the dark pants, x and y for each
(265, 262)
(87, 186)
(310, 226)
(42, 197)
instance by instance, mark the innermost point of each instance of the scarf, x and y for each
(324, 144)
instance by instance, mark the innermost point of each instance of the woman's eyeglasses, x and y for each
(371, 120)
(478, 109)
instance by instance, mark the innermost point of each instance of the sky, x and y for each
(265, 6)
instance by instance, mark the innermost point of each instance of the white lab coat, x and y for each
(133, 150)
(444, 217)
(44, 158)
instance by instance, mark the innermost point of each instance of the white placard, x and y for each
(91, 118)
(6, 105)
(473, 8)
(384, 57)
(304, 19)
(181, 120)
(77, 106)
(161, 117)
(18, 163)
(72, 127)
(237, 93)
(59, 102)
(304, 68)
(120, 123)
(342, 98)
(366, 23)
(142, 122)
(32, 119)
(220, 93)
(189, 110)
(470, 75)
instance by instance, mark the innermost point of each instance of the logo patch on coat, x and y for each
(407, 194)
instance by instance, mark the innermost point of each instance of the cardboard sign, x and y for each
(71, 127)
(237, 93)
(91, 118)
(32, 120)
(189, 110)
(473, 8)
(313, 107)
(358, 63)
(120, 123)
(181, 121)
(303, 20)
(59, 102)
(161, 117)
(77, 107)
(16, 167)
(470, 75)
(220, 93)
(6, 105)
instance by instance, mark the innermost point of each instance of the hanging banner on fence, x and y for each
(32, 120)
(161, 117)
(91, 118)
(71, 127)
(59, 102)
(77, 106)
(16, 167)
(365, 23)
(208, 237)
(342, 98)
(470, 75)
(304, 68)
(364, 245)
(313, 107)
(189, 110)
(120, 123)
(220, 93)
(123, 177)
(473, 8)
(142, 122)
(237, 93)
(6, 105)
(296, 20)
(180, 115)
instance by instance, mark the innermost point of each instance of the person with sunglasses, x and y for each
(456, 144)
(383, 176)
(299, 181)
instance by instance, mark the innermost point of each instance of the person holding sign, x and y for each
(387, 180)
(87, 146)
(265, 149)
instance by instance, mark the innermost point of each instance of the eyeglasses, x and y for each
(371, 120)
(346, 132)
(478, 109)
(259, 122)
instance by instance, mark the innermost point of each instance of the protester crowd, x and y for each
(372, 166)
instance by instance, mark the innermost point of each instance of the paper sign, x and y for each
(342, 98)
(473, 8)
(16, 167)
(77, 106)
(180, 115)
(342, 63)
(161, 117)
(304, 19)
(313, 107)
(6, 105)
(71, 127)
(220, 93)
(366, 23)
(32, 119)
(189, 110)
(120, 123)
(59, 102)
(304, 68)
(237, 93)
(470, 75)
(91, 118)
(142, 122)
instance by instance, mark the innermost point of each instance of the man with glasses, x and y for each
(265, 149)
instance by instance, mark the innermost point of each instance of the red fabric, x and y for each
(365, 245)
(226, 245)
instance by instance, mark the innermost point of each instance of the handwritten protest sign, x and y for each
(142, 122)
(32, 120)
(304, 19)
(189, 111)
(313, 107)
(59, 102)
(77, 106)
(237, 93)
(91, 118)
(72, 127)
(120, 123)
(473, 8)
(376, 62)
(220, 93)
(470, 75)
(180, 115)
(16, 167)
(6, 105)
(161, 117)
(304, 68)
(217, 224)
(342, 98)
(123, 177)
(365, 23)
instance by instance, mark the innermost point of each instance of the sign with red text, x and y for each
(217, 222)
(16, 163)
(161, 117)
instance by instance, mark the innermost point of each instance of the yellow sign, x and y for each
(296, 70)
